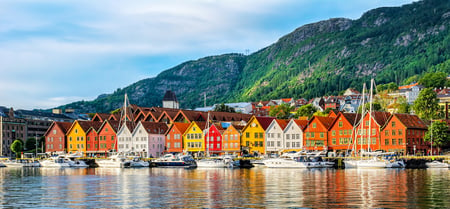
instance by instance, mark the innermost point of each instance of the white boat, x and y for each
(171, 160)
(21, 163)
(137, 162)
(374, 162)
(436, 164)
(115, 161)
(217, 162)
(284, 162)
(56, 162)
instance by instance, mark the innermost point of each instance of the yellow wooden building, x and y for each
(193, 138)
(76, 136)
(253, 134)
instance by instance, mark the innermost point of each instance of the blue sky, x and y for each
(54, 52)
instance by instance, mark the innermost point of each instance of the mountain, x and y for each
(390, 44)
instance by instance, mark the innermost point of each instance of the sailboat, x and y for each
(372, 159)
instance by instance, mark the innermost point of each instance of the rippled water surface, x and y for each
(223, 188)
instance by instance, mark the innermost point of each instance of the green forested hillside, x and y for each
(324, 58)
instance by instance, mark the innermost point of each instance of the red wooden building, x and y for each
(174, 137)
(55, 137)
(316, 133)
(342, 131)
(213, 138)
(404, 133)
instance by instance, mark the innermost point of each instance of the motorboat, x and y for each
(436, 164)
(21, 163)
(137, 162)
(284, 162)
(171, 160)
(114, 161)
(225, 161)
(56, 161)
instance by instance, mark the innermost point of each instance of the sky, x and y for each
(55, 52)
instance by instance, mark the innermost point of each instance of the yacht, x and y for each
(225, 161)
(21, 163)
(114, 161)
(137, 162)
(171, 160)
(436, 164)
(56, 161)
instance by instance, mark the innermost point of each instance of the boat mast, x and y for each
(361, 127)
(370, 115)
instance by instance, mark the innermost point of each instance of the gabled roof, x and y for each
(381, 117)
(218, 127)
(189, 115)
(95, 126)
(325, 121)
(154, 127)
(170, 114)
(265, 121)
(352, 118)
(301, 123)
(282, 123)
(411, 121)
(64, 126)
(114, 125)
(182, 127)
(101, 117)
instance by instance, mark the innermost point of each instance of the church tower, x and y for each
(170, 100)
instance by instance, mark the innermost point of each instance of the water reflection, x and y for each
(222, 188)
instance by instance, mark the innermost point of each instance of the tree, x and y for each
(375, 107)
(434, 80)
(282, 111)
(30, 144)
(17, 147)
(426, 105)
(437, 134)
(305, 111)
(223, 108)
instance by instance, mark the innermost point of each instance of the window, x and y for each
(247, 143)
(261, 143)
(340, 133)
(374, 131)
(54, 131)
(168, 145)
(400, 141)
(400, 132)
(333, 141)
(367, 123)
(256, 135)
(386, 142)
(314, 125)
(386, 132)
(321, 135)
(340, 124)
(261, 135)
(247, 135)
(333, 133)
(287, 136)
(278, 144)
(288, 144)
(345, 132)
(394, 141)
(374, 140)
(393, 123)
(312, 134)
(393, 132)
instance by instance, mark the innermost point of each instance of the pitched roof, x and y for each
(170, 96)
(101, 117)
(411, 121)
(201, 124)
(64, 126)
(301, 123)
(326, 121)
(265, 121)
(352, 118)
(155, 127)
(282, 123)
(381, 117)
(182, 127)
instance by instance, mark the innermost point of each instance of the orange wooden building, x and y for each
(316, 133)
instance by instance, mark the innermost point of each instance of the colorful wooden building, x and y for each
(213, 138)
(231, 142)
(76, 136)
(194, 137)
(174, 137)
(55, 137)
(342, 132)
(368, 131)
(316, 133)
(149, 139)
(92, 138)
(253, 134)
(275, 142)
(404, 133)
(107, 136)
(293, 135)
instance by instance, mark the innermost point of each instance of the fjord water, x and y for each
(222, 188)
